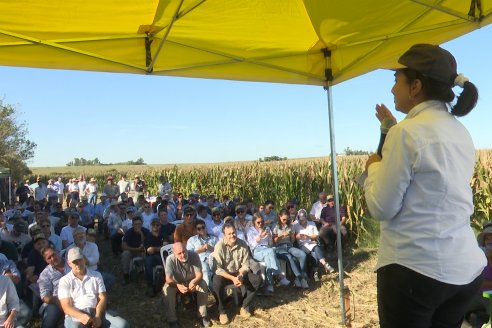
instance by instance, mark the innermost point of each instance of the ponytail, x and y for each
(466, 101)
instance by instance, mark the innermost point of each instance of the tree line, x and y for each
(96, 162)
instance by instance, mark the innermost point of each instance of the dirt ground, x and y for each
(288, 307)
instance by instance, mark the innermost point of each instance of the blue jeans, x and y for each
(108, 321)
(51, 316)
(267, 255)
(290, 254)
(93, 198)
(150, 262)
(207, 273)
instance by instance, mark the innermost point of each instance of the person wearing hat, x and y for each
(111, 189)
(18, 236)
(152, 243)
(82, 296)
(99, 210)
(73, 189)
(429, 264)
(91, 191)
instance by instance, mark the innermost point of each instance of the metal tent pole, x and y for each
(337, 200)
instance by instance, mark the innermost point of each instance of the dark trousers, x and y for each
(116, 243)
(150, 262)
(251, 282)
(409, 299)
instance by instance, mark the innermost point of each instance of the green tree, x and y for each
(15, 148)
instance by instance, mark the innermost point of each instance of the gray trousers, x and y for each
(170, 293)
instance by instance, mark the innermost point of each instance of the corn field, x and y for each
(299, 179)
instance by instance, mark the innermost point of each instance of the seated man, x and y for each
(9, 269)
(91, 253)
(328, 231)
(184, 275)
(231, 263)
(153, 243)
(9, 306)
(49, 278)
(82, 296)
(132, 246)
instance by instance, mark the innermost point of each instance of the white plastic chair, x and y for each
(166, 250)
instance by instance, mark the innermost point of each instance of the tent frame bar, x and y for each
(52, 44)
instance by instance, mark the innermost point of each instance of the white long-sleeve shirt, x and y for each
(421, 193)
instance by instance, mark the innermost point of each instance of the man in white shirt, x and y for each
(318, 206)
(82, 295)
(60, 188)
(66, 233)
(124, 187)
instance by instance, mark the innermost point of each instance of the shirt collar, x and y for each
(429, 104)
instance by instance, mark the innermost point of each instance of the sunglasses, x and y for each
(200, 228)
(239, 212)
(45, 226)
(216, 214)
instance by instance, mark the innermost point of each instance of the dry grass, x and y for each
(289, 307)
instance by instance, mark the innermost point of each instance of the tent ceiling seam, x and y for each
(446, 10)
(69, 49)
(401, 32)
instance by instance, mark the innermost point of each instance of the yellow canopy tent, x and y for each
(317, 42)
(282, 41)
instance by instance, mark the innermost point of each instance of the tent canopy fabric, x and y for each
(314, 42)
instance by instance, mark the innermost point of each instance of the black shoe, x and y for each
(206, 322)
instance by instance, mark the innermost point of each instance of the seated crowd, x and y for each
(50, 254)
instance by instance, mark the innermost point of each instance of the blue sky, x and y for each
(121, 117)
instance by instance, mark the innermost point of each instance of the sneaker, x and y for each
(284, 282)
(297, 283)
(223, 319)
(316, 276)
(244, 312)
(205, 322)
(269, 289)
(304, 283)
(328, 268)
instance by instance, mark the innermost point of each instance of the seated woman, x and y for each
(203, 244)
(260, 240)
(283, 239)
(307, 240)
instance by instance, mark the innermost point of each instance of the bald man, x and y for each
(184, 276)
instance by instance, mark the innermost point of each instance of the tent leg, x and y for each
(337, 200)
